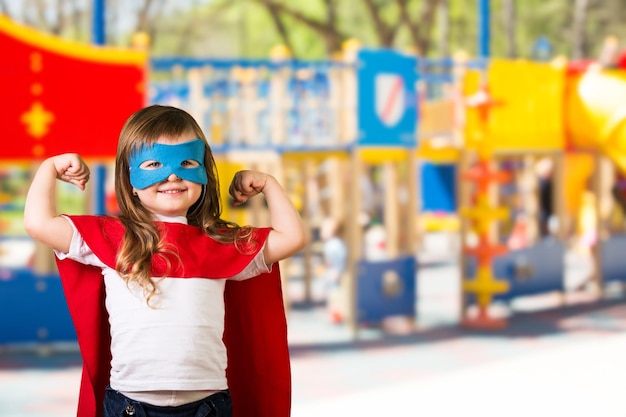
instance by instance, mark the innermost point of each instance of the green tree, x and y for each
(316, 29)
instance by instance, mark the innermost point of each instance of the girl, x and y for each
(161, 333)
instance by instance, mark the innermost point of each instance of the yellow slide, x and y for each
(595, 113)
(595, 119)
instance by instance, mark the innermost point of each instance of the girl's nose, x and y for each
(173, 177)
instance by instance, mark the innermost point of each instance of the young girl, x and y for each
(161, 331)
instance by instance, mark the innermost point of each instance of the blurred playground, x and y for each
(453, 205)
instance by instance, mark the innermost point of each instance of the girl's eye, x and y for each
(189, 163)
(150, 165)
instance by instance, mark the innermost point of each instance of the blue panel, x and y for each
(534, 270)
(386, 288)
(33, 309)
(387, 98)
(613, 259)
(438, 187)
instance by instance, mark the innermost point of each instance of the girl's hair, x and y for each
(142, 239)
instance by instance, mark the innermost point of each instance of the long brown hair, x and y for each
(142, 239)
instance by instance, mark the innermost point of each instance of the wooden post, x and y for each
(348, 131)
(248, 106)
(464, 200)
(355, 238)
(279, 105)
(596, 250)
(308, 172)
(391, 211)
(414, 234)
(558, 195)
(198, 103)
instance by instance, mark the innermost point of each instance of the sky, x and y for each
(126, 9)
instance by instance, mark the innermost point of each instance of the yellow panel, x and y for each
(226, 171)
(438, 155)
(380, 155)
(525, 107)
(315, 155)
(578, 170)
(527, 110)
(435, 222)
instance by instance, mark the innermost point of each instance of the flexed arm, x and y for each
(287, 236)
(41, 219)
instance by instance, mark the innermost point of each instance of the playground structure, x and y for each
(303, 118)
(522, 113)
(480, 128)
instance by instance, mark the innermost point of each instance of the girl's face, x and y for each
(172, 196)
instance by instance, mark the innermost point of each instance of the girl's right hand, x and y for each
(41, 219)
(71, 168)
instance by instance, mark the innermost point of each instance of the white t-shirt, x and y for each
(171, 351)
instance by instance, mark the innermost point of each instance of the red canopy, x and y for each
(60, 96)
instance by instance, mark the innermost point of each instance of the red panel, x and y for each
(60, 97)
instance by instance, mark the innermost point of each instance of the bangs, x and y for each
(172, 124)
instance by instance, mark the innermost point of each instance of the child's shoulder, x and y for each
(103, 234)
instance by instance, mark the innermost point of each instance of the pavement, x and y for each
(558, 356)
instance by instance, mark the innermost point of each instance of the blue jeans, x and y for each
(118, 405)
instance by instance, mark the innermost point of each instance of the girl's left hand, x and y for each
(246, 184)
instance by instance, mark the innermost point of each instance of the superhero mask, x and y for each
(171, 158)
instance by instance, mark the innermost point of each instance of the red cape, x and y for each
(255, 332)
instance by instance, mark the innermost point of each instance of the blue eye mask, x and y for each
(171, 158)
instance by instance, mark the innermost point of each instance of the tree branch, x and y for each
(316, 25)
(331, 18)
(327, 30)
(385, 32)
(280, 27)
(420, 31)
